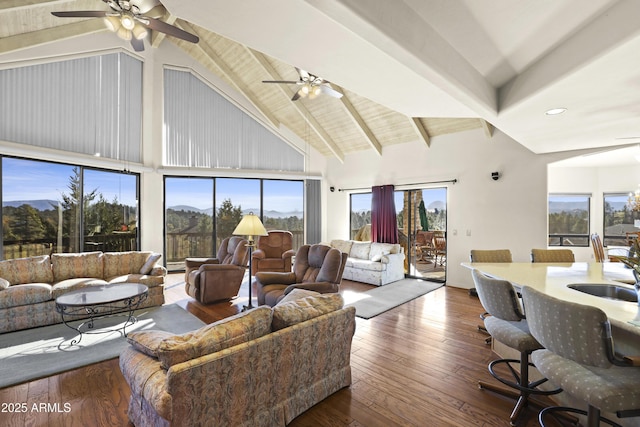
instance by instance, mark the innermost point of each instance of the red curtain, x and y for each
(384, 226)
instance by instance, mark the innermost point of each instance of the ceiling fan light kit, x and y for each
(310, 86)
(126, 20)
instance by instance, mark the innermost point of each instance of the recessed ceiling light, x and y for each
(555, 111)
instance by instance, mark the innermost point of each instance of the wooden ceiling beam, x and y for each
(35, 38)
(421, 130)
(231, 76)
(487, 127)
(23, 4)
(300, 108)
(157, 37)
(359, 121)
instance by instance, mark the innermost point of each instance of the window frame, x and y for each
(562, 236)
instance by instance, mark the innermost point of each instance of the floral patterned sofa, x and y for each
(262, 367)
(370, 262)
(29, 286)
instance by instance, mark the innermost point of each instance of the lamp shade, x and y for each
(250, 225)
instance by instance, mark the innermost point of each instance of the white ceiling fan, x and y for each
(128, 21)
(311, 86)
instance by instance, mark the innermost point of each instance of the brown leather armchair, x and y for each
(273, 252)
(317, 268)
(220, 279)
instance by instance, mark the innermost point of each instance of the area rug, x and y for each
(40, 352)
(383, 298)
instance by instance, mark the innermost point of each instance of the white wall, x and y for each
(508, 213)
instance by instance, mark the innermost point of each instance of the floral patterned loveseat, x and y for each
(262, 367)
(29, 286)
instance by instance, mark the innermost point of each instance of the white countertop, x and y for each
(553, 278)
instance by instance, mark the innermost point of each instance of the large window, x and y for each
(201, 212)
(360, 213)
(188, 219)
(283, 207)
(569, 219)
(51, 207)
(619, 219)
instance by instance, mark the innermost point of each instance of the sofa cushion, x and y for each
(28, 294)
(35, 269)
(149, 263)
(364, 264)
(148, 341)
(119, 263)
(360, 250)
(342, 245)
(86, 264)
(67, 285)
(149, 281)
(298, 294)
(378, 250)
(217, 336)
(300, 310)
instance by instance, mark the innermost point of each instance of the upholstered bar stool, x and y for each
(552, 255)
(579, 356)
(489, 255)
(508, 325)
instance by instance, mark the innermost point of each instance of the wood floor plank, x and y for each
(417, 364)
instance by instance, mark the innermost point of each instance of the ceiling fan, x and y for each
(310, 86)
(128, 21)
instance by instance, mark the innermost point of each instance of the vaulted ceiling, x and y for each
(408, 69)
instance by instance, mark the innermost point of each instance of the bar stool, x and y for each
(579, 356)
(508, 325)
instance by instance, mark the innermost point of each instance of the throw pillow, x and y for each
(342, 245)
(297, 294)
(378, 250)
(148, 342)
(300, 310)
(360, 250)
(4, 284)
(234, 330)
(151, 261)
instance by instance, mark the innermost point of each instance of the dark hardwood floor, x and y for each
(415, 365)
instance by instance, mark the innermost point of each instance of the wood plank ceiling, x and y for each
(334, 127)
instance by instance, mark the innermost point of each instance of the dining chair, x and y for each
(598, 249)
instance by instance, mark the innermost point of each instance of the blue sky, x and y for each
(280, 195)
(47, 181)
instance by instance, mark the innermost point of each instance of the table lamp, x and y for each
(250, 226)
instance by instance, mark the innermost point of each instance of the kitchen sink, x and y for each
(616, 292)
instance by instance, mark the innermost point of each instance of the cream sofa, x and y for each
(262, 367)
(29, 286)
(370, 262)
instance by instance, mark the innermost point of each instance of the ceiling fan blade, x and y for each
(296, 95)
(163, 27)
(289, 82)
(327, 90)
(138, 45)
(80, 14)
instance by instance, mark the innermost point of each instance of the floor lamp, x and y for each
(250, 226)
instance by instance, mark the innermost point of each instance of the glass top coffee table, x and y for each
(95, 302)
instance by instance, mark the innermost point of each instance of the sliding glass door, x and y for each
(422, 225)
